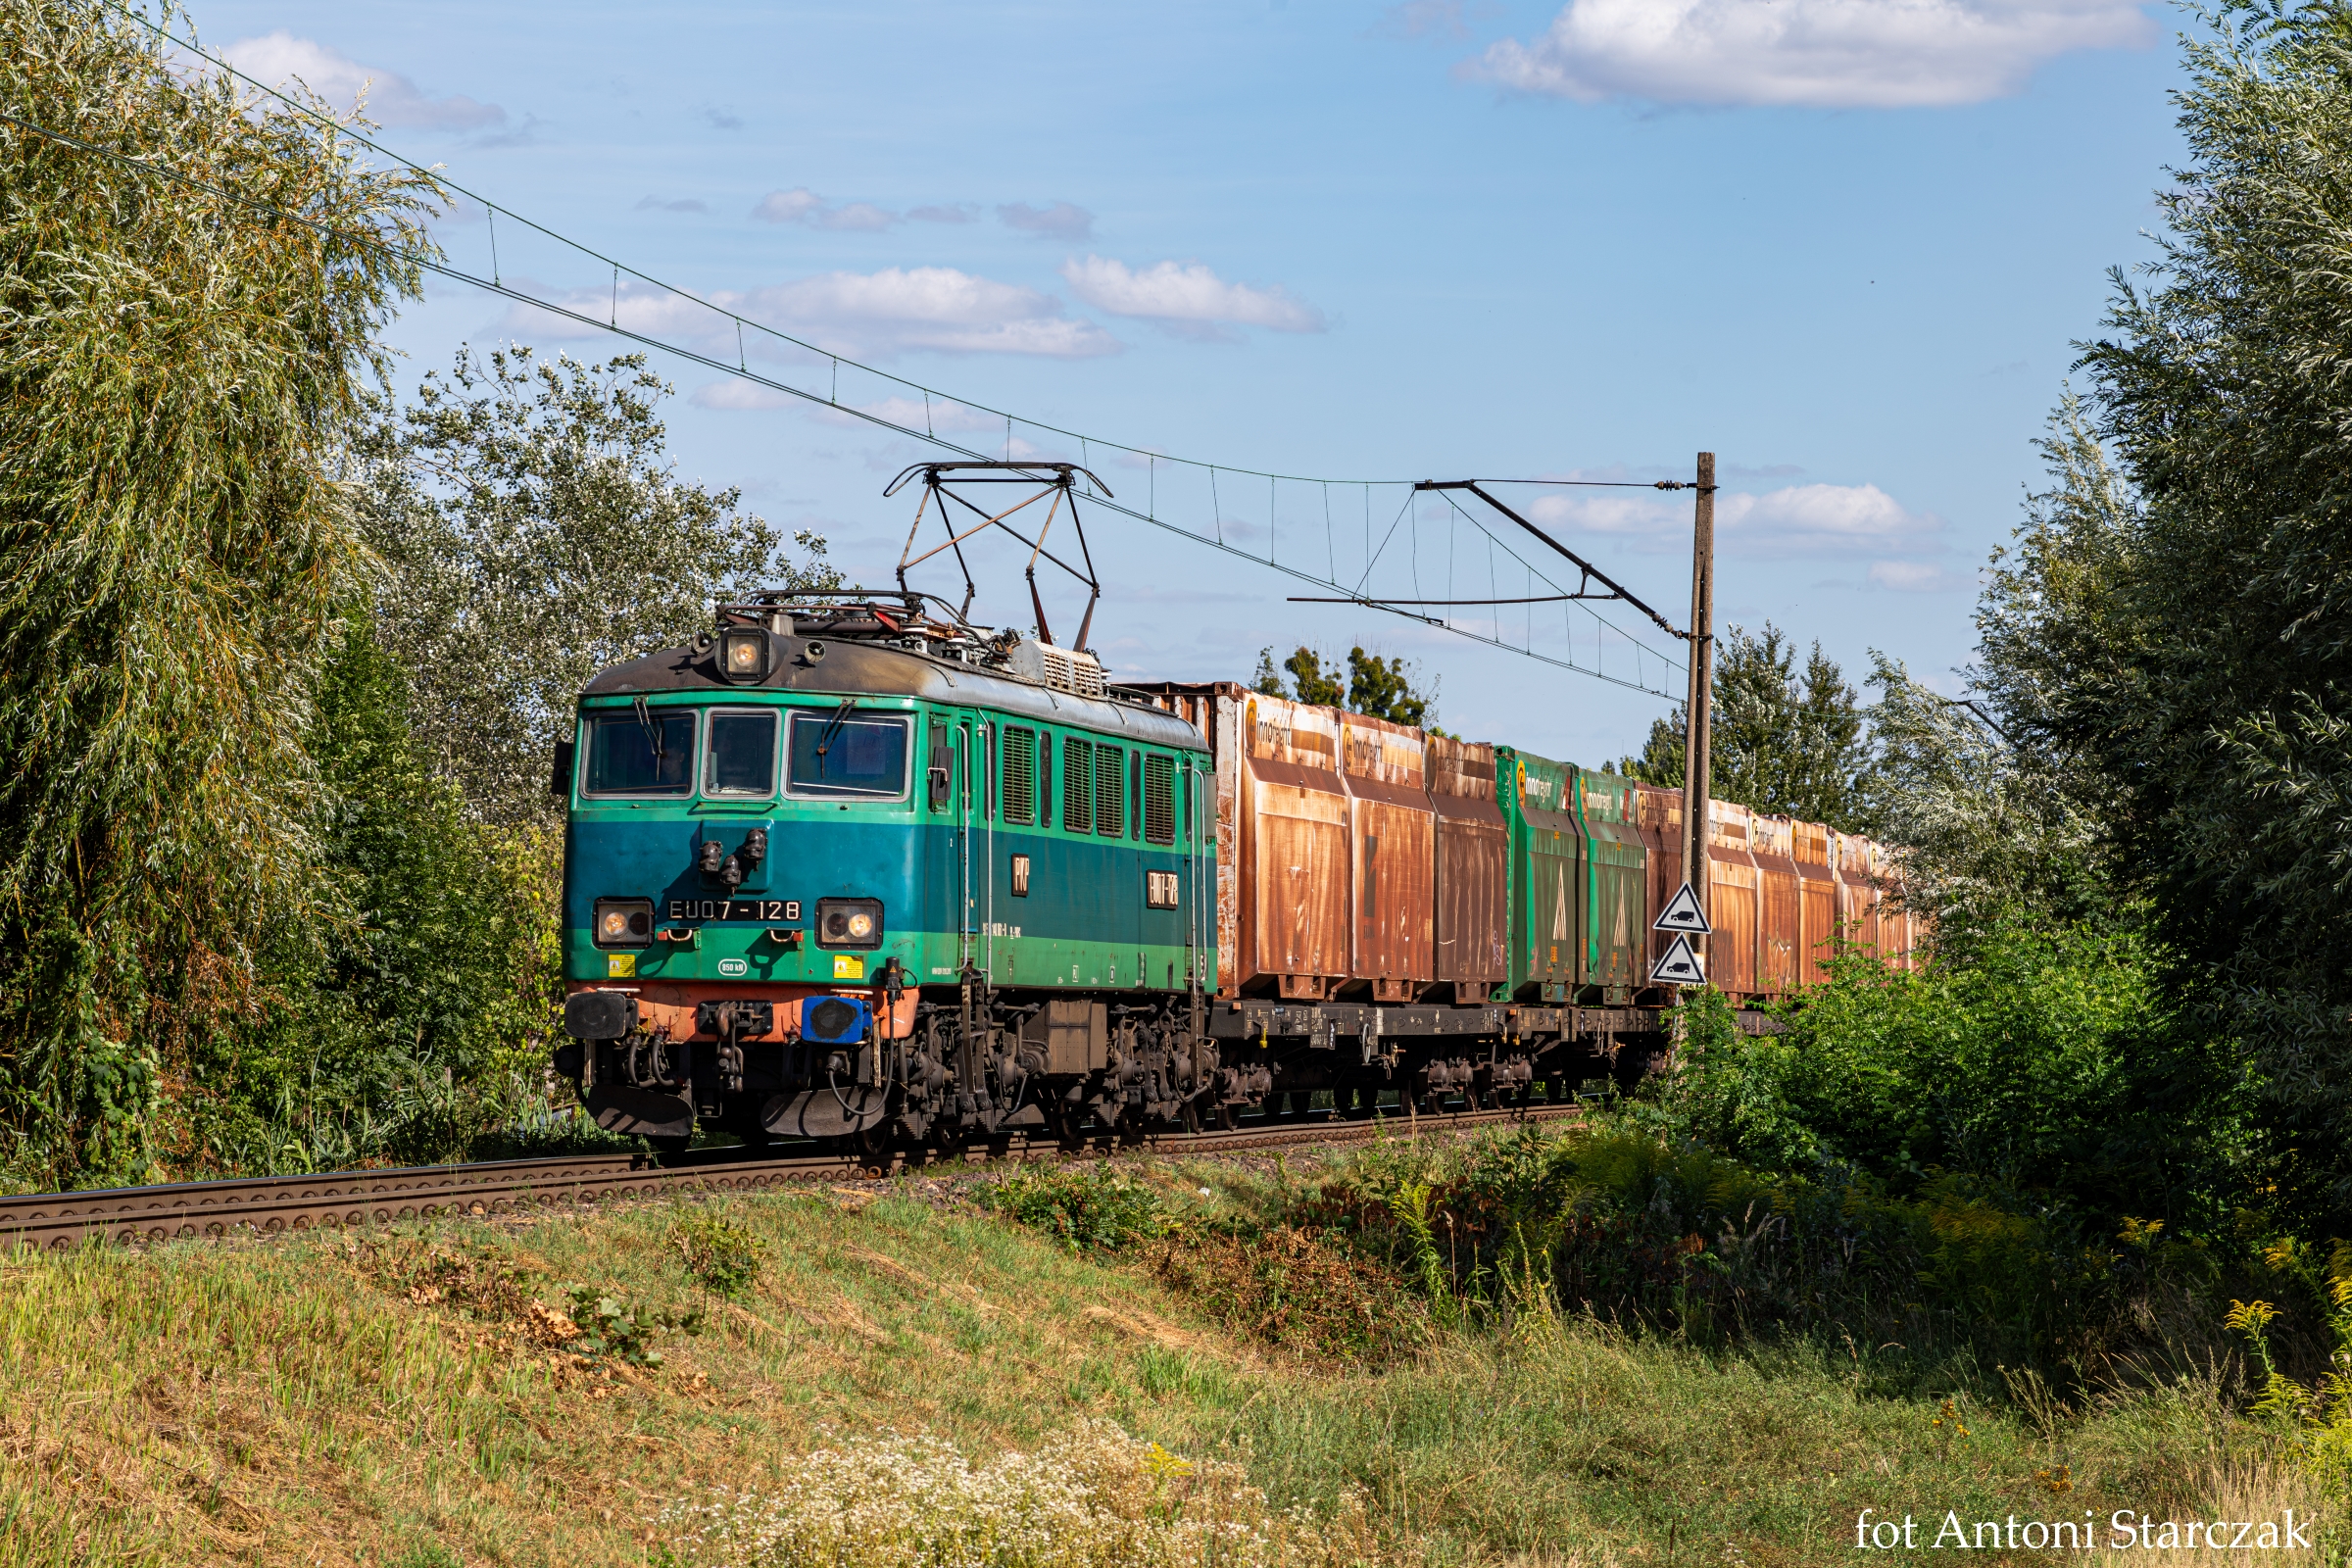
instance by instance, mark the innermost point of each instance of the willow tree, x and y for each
(2196, 646)
(188, 301)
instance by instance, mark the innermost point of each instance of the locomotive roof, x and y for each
(849, 668)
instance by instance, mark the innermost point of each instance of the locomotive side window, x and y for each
(1110, 791)
(1160, 800)
(739, 757)
(1020, 774)
(846, 753)
(941, 766)
(648, 752)
(1077, 784)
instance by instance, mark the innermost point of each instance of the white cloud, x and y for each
(279, 58)
(1840, 53)
(1187, 297)
(801, 205)
(859, 215)
(1804, 517)
(789, 206)
(1917, 577)
(1062, 220)
(867, 315)
(1794, 520)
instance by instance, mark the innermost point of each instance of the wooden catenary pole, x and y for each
(1696, 737)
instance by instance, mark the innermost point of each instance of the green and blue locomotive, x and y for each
(841, 869)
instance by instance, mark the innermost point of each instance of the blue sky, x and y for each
(1846, 244)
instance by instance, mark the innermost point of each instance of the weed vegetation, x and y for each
(442, 1389)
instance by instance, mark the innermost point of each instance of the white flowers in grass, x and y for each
(1093, 1497)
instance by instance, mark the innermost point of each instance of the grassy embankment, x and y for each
(408, 1399)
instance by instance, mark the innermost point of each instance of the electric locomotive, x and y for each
(841, 868)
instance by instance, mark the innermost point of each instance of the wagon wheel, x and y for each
(1067, 1122)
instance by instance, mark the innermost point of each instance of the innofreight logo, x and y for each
(2125, 1531)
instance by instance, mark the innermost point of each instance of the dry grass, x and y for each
(409, 1400)
(2238, 1490)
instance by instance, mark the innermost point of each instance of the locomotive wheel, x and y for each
(871, 1145)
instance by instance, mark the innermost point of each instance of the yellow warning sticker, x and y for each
(848, 966)
(620, 967)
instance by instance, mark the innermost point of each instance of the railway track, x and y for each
(198, 1211)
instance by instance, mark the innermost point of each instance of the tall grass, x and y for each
(374, 1397)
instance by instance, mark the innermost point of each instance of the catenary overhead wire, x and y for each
(739, 369)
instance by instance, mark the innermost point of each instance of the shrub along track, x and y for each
(195, 1210)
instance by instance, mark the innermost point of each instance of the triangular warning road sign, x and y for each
(1682, 913)
(1679, 967)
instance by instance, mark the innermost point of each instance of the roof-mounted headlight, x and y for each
(742, 655)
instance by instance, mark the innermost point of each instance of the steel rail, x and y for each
(339, 1200)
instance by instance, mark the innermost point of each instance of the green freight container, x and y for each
(1546, 883)
(1616, 889)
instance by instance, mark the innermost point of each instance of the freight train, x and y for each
(848, 868)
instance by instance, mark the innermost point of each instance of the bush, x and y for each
(719, 1251)
(1295, 1289)
(1085, 1208)
(2048, 1065)
(610, 1327)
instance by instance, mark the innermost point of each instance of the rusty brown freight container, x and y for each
(1779, 933)
(1658, 816)
(1858, 912)
(1733, 899)
(1474, 853)
(1392, 831)
(1817, 902)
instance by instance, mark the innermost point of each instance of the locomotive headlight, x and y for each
(742, 655)
(849, 922)
(623, 922)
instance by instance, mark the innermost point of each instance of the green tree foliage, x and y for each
(1383, 688)
(385, 1018)
(173, 552)
(2190, 637)
(1311, 683)
(1996, 821)
(1267, 681)
(1371, 685)
(1782, 743)
(534, 532)
(2051, 1065)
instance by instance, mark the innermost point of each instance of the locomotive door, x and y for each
(952, 803)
